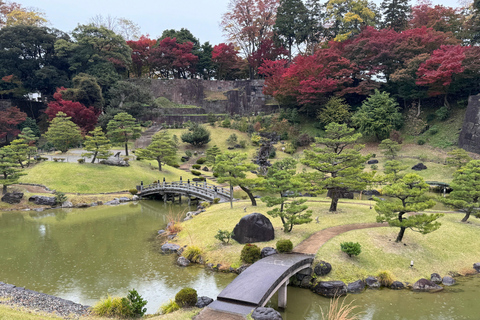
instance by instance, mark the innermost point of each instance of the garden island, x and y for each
(328, 146)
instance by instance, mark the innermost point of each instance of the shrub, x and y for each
(250, 253)
(243, 144)
(433, 130)
(193, 253)
(205, 204)
(216, 200)
(137, 303)
(224, 236)
(195, 172)
(170, 306)
(443, 113)
(290, 148)
(304, 140)
(255, 139)
(187, 297)
(272, 153)
(126, 159)
(81, 161)
(422, 157)
(226, 123)
(113, 307)
(196, 166)
(197, 135)
(284, 246)
(396, 136)
(431, 117)
(421, 141)
(188, 153)
(201, 160)
(232, 140)
(133, 191)
(175, 165)
(60, 197)
(374, 167)
(385, 278)
(351, 248)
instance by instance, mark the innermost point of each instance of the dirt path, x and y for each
(209, 314)
(313, 243)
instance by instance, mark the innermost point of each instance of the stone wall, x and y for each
(469, 138)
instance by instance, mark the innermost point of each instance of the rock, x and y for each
(372, 283)
(183, 262)
(116, 163)
(268, 251)
(161, 232)
(254, 172)
(82, 205)
(197, 179)
(231, 148)
(205, 169)
(322, 268)
(241, 268)
(307, 272)
(185, 158)
(170, 248)
(124, 199)
(93, 204)
(238, 146)
(203, 301)
(426, 285)
(306, 282)
(112, 203)
(419, 166)
(331, 289)
(12, 197)
(397, 285)
(373, 161)
(67, 204)
(435, 277)
(356, 287)
(254, 227)
(135, 198)
(43, 200)
(263, 313)
(200, 207)
(372, 192)
(476, 266)
(448, 281)
(188, 218)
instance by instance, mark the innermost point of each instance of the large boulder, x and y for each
(170, 248)
(322, 268)
(397, 285)
(203, 301)
(373, 161)
(268, 251)
(254, 227)
(331, 289)
(426, 285)
(116, 163)
(356, 287)
(419, 167)
(263, 313)
(476, 266)
(12, 197)
(448, 281)
(183, 262)
(372, 283)
(435, 277)
(43, 200)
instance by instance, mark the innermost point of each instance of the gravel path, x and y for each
(40, 302)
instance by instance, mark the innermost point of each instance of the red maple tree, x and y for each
(226, 59)
(170, 58)
(141, 51)
(10, 118)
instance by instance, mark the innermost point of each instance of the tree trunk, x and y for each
(250, 195)
(94, 156)
(21, 164)
(159, 165)
(231, 196)
(333, 205)
(4, 190)
(400, 234)
(467, 215)
(126, 148)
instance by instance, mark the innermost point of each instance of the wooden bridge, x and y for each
(255, 286)
(190, 189)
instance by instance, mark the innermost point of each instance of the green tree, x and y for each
(282, 179)
(335, 110)
(389, 148)
(20, 151)
(28, 135)
(197, 135)
(465, 196)
(232, 167)
(378, 115)
(123, 128)
(395, 14)
(342, 168)
(9, 167)
(98, 145)
(212, 153)
(409, 197)
(457, 158)
(392, 170)
(63, 133)
(162, 148)
(86, 91)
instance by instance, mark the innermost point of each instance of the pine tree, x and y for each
(395, 14)
(19, 148)
(212, 153)
(123, 128)
(63, 133)
(9, 167)
(162, 149)
(390, 148)
(98, 145)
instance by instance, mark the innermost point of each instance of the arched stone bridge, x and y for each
(200, 190)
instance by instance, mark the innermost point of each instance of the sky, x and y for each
(201, 17)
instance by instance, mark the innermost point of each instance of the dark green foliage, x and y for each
(196, 173)
(60, 197)
(351, 248)
(421, 141)
(396, 14)
(197, 135)
(216, 200)
(137, 303)
(336, 110)
(389, 148)
(250, 253)
(232, 139)
(224, 236)
(196, 166)
(63, 133)
(272, 154)
(284, 246)
(443, 113)
(81, 161)
(122, 128)
(133, 191)
(187, 297)
(201, 160)
(433, 130)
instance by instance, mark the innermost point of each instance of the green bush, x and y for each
(423, 157)
(385, 278)
(243, 144)
(216, 200)
(195, 172)
(421, 141)
(272, 153)
(196, 166)
(255, 139)
(284, 246)
(137, 303)
(169, 307)
(250, 253)
(60, 197)
(351, 248)
(374, 167)
(187, 297)
(433, 130)
(175, 165)
(232, 139)
(193, 253)
(188, 153)
(443, 113)
(224, 236)
(133, 191)
(201, 160)
(81, 161)
(113, 307)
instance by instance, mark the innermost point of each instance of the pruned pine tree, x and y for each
(97, 144)
(9, 167)
(162, 149)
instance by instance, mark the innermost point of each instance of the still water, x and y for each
(84, 254)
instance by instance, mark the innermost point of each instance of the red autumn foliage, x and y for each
(10, 118)
(141, 51)
(266, 51)
(170, 58)
(438, 17)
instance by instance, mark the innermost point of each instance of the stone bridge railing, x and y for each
(202, 190)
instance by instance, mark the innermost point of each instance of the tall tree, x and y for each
(282, 179)
(212, 153)
(141, 56)
(395, 14)
(409, 198)
(9, 167)
(173, 59)
(196, 135)
(438, 17)
(63, 133)
(20, 151)
(12, 14)
(10, 118)
(97, 144)
(128, 29)
(123, 128)
(457, 158)
(86, 90)
(226, 61)
(342, 167)
(465, 195)
(232, 167)
(129, 97)
(162, 149)
(28, 135)
(390, 148)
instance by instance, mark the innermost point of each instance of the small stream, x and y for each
(84, 254)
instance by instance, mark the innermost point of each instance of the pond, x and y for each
(84, 254)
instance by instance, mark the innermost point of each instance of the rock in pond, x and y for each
(170, 248)
(113, 202)
(203, 301)
(263, 313)
(435, 277)
(322, 268)
(397, 285)
(372, 283)
(426, 285)
(254, 227)
(448, 281)
(268, 251)
(67, 204)
(356, 287)
(331, 289)
(183, 262)
(43, 200)
(12, 197)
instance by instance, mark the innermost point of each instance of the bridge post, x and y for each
(282, 295)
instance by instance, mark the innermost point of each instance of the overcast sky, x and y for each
(201, 17)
